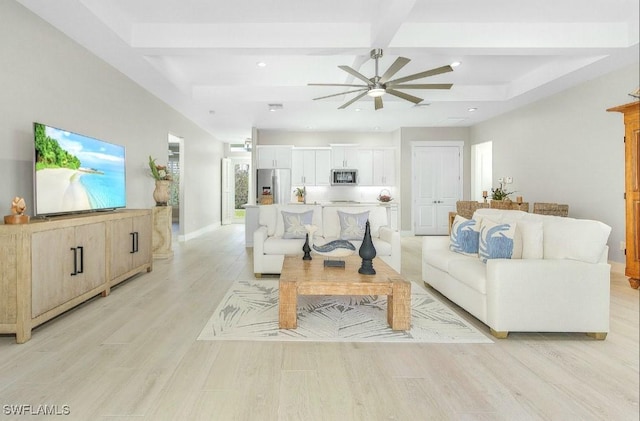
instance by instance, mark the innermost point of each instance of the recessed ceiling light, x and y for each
(275, 107)
(261, 64)
(473, 109)
(357, 109)
(455, 64)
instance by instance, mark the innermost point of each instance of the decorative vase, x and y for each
(161, 192)
(306, 249)
(367, 252)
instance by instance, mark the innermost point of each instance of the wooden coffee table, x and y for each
(310, 277)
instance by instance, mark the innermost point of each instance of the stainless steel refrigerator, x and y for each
(277, 182)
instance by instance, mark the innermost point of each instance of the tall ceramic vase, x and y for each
(367, 252)
(161, 193)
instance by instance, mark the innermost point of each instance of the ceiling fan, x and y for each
(377, 86)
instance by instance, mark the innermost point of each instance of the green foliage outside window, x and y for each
(242, 185)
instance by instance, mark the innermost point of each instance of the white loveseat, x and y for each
(561, 283)
(269, 246)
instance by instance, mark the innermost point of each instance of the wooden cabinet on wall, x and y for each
(632, 189)
(50, 266)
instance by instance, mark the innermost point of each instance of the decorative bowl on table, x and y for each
(385, 196)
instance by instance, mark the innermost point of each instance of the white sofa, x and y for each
(561, 283)
(269, 246)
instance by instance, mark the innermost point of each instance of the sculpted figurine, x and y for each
(18, 206)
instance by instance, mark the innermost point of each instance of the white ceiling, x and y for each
(200, 56)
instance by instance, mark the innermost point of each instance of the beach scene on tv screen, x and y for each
(77, 173)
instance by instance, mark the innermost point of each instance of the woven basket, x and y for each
(502, 204)
(551, 209)
(266, 199)
(466, 208)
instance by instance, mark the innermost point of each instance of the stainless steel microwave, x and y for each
(341, 177)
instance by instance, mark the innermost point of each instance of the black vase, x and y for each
(306, 249)
(367, 252)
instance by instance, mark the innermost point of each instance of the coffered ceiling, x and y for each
(203, 57)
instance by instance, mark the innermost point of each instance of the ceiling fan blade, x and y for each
(346, 104)
(395, 67)
(336, 84)
(356, 74)
(432, 72)
(378, 102)
(402, 95)
(425, 86)
(342, 93)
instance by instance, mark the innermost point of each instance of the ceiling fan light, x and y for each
(376, 92)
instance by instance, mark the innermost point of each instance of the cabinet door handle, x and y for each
(133, 242)
(81, 250)
(136, 236)
(75, 262)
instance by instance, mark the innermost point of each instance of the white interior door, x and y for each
(437, 182)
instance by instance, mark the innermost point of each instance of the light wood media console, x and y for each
(50, 266)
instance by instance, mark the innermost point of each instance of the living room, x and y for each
(562, 147)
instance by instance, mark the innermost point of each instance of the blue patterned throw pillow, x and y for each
(294, 223)
(464, 236)
(496, 240)
(352, 225)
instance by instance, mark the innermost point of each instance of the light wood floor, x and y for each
(134, 356)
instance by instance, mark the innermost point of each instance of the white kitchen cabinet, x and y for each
(276, 156)
(383, 167)
(303, 167)
(344, 157)
(323, 167)
(311, 167)
(365, 167)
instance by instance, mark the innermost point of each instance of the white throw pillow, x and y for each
(464, 236)
(352, 225)
(497, 241)
(294, 223)
(531, 233)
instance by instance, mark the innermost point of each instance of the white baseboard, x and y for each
(617, 267)
(198, 233)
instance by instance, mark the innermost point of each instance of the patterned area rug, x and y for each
(249, 311)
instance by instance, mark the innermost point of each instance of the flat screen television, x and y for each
(76, 173)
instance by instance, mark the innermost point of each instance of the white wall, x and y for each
(47, 77)
(568, 149)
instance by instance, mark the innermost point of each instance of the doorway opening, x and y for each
(481, 169)
(175, 164)
(235, 189)
(241, 169)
